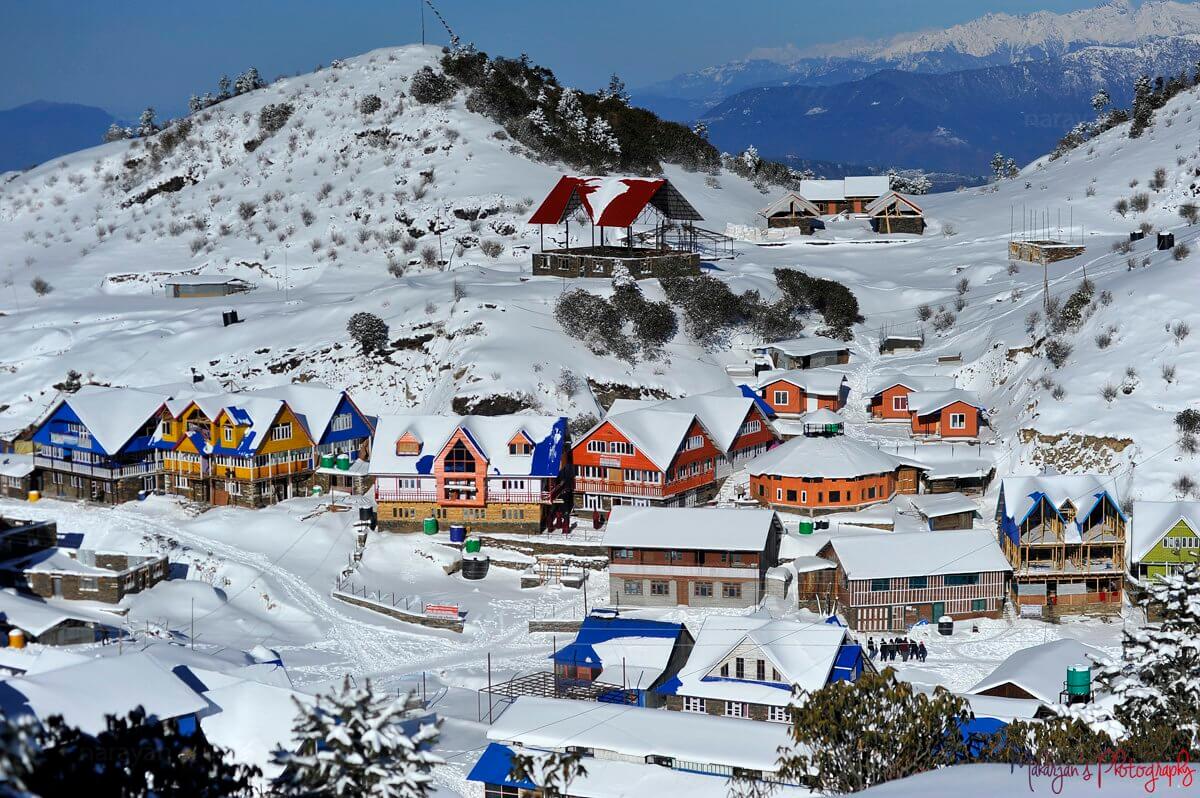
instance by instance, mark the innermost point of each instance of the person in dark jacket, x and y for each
(922, 652)
(871, 647)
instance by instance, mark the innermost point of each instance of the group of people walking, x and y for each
(897, 647)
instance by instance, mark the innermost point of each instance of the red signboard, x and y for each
(443, 610)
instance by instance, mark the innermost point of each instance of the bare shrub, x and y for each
(40, 286)
(491, 247)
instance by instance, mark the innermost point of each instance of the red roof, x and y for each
(612, 201)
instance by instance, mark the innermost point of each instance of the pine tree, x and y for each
(224, 87)
(370, 331)
(1143, 106)
(1157, 680)
(248, 81)
(1101, 100)
(701, 129)
(146, 124)
(616, 90)
(552, 772)
(353, 742)
(116, 133)
(19, 748)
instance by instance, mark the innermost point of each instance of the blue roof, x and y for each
(848, 665)
(599, 630)
(494, 767)
(548, 452)
(759, 402)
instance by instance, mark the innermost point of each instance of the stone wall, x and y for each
(497, 517)
(586, 263)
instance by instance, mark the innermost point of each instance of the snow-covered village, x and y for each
(453, 419)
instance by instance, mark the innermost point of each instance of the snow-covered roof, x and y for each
(634, 662)
(790, 203)
(53, 561)
(837, 190)
(612, 201)
(923, 402)
(947, 460)
(554, 724)
(705, 528)
(884, 201)
(803, 347)
(37, 617)
(657, 434)
(127, 681)
(919, 554)
(113, 415)
(490, 434)
(1041, 670)
(251, 719)
(720, 414)
(1081, 490)
(204, 279)
(867, 185)
(314, 404)
(803, 653)
(822, 416)
(914, 382)
(838, 457)
(1153, 520)
(935, 505)
(16, 465)
(823, 382)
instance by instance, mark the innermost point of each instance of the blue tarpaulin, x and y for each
(494, 767)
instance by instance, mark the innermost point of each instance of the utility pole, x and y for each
(421, 6)
(192, 630)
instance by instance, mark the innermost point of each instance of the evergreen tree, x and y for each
(701, 129)
(354, 742)
(19, 748)
(248, 81)
(370, 331)
(146, 124)
(1101, 100)
(616, 90)
(852, 735)
(224, 88)
(552, 772)
(116, 133)
(1143, 106)
(1157, 680)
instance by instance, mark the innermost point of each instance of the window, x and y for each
(623, 554)
(693, 704)
(233, 488)
(660, 587)
(791, 496)
(620, 447)
(804, 497)
(835, 496)
(512, 514)
(779, 397)
(596, 446)
(958, 421)
(459, 459)
(89, 583)
(227, 434)
(760, 670)
(281, 432)
(775, 677)
(76, 482)
(779, 494)
(777, 714)
(739, 668)
(918, 582)
(735, 709)
(762, 489)
(731, 590)
(474, 513)
(520, 448)
(168, 428)
(879, 585)
(500, 791)
(956, 580)
(341, 422)
(900, 402)
(673, 556)
(702, 589)
(693, 442)
(181, 481)
(633, 588)
(978, 605)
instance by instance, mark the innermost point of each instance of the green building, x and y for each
(1164, 537)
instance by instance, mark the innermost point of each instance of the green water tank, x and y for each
(316, 491)
(1079, 680)
(430, 526)
(473, 545)
(343, 462)
(326, 461)
(806, 527)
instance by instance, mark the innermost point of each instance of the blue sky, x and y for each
(127, 54)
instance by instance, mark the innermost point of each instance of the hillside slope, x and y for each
(314, 214)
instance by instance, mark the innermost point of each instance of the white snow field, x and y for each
(317, 243)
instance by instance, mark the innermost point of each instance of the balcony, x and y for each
(648, 490)
(97, 471)
(500, 497)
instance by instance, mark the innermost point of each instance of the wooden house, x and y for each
(895, 213)
(829, 473)
(83, 574)
(795, 392)
(1065, 538)
(852, 194)
(700, 557)
(1164, 537)
(747, 666)
(98, 445)
(889, 394)
(1037, 673)
(792, 210)
(49, 624)
(17, 476)
(646, 457)
(739, 425)
(502, 473)
(945, 414)
(637, 655)
(945, 511)
(805, 353)
(888, 581)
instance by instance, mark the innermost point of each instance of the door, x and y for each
(810, 403)
(615, 476)
(939, 609)
(56, 586)
(220, 496)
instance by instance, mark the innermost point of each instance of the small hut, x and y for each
(671, 245)
(792, 210)
(1043, 250)
(200, 286)
(895, 213)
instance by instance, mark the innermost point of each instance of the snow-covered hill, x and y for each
(315, 214)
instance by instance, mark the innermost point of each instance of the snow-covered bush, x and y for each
(579, 425)
(429, 87)
(274, 116)
(491, 247)
(1109, 392)
(1058, 351)
(1159, 181)
(1181, 251)
(356, 741)
(369, 331)
(835, 302)
(924, 312)
(1189, 212)
(1140, 202)
(369, 104)
(40, 286)
(1121, 206)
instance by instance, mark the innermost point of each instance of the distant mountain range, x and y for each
(38, 131)
(943, 100)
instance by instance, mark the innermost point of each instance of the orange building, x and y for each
(945, 414)
(799, 391)
(889, 399)
(829, 474)
(645, 457)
